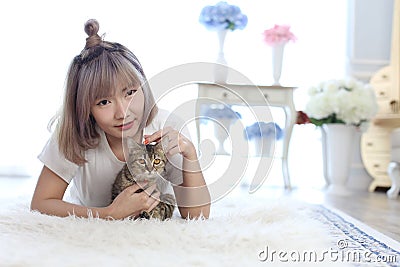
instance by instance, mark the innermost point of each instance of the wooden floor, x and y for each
(373, 209)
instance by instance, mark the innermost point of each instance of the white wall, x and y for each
(40, 38)
(369, 35)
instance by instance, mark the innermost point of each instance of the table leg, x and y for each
(290, 119)
(198, 118)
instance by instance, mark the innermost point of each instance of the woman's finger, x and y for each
(173, 151)
(133, 188)
(177, 145)
(156, 137)
(156, 195)
(153, 201)
(149, 191)
(152, 137)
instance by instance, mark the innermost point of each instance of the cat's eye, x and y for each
(142, 161)
(157, 161)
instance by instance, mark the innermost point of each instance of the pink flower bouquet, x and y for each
(278, 34)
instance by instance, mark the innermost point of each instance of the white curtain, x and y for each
(40, 38)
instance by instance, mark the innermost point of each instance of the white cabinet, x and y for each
(375, 143)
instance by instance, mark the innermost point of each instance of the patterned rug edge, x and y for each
(356, 235)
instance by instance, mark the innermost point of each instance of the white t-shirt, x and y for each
(90, 184)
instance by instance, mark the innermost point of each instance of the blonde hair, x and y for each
(95, 73)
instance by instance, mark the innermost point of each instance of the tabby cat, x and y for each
(146, 162)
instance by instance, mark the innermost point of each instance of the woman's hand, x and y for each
(192, 196)
(173, 143)
(130, 204)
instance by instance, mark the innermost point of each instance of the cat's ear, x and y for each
(159, 149)
(158, 145)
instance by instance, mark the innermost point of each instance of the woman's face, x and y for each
(121, 114)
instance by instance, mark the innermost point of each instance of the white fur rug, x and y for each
(235, 235)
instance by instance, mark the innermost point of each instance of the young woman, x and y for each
(108, 98)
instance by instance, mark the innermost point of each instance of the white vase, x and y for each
(262, 146)
(339, 149)
(221, 132)
(221, 68)
(359, 179)
(277, 59)
(324, 160)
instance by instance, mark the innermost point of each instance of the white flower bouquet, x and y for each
(346, 101)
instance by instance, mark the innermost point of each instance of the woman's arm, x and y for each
(192, 196)
(50, 190)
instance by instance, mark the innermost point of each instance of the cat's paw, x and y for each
(144, 215)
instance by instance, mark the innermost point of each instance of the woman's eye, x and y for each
(103, 102)
(131, 92)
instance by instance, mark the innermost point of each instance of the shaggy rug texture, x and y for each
(238, 233)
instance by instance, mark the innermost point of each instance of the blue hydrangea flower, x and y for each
(222, 112)
(263, 129)
(223, 16)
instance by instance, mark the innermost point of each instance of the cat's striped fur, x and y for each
(146, 162)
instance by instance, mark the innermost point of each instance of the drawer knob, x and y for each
(381, 93)
(370, 144)
(394, 105)
(376, 165)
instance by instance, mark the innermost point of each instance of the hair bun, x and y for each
(91, 27)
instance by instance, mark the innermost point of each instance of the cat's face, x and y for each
(146, 161)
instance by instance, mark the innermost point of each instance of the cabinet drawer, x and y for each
(384, 107)
(382, 91)
(381, 83)
(377, 165)
(240, 95)
(261, 97)
(376, 144)
(218, 94)
(274, 96)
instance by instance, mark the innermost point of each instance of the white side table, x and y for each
(253, 95)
